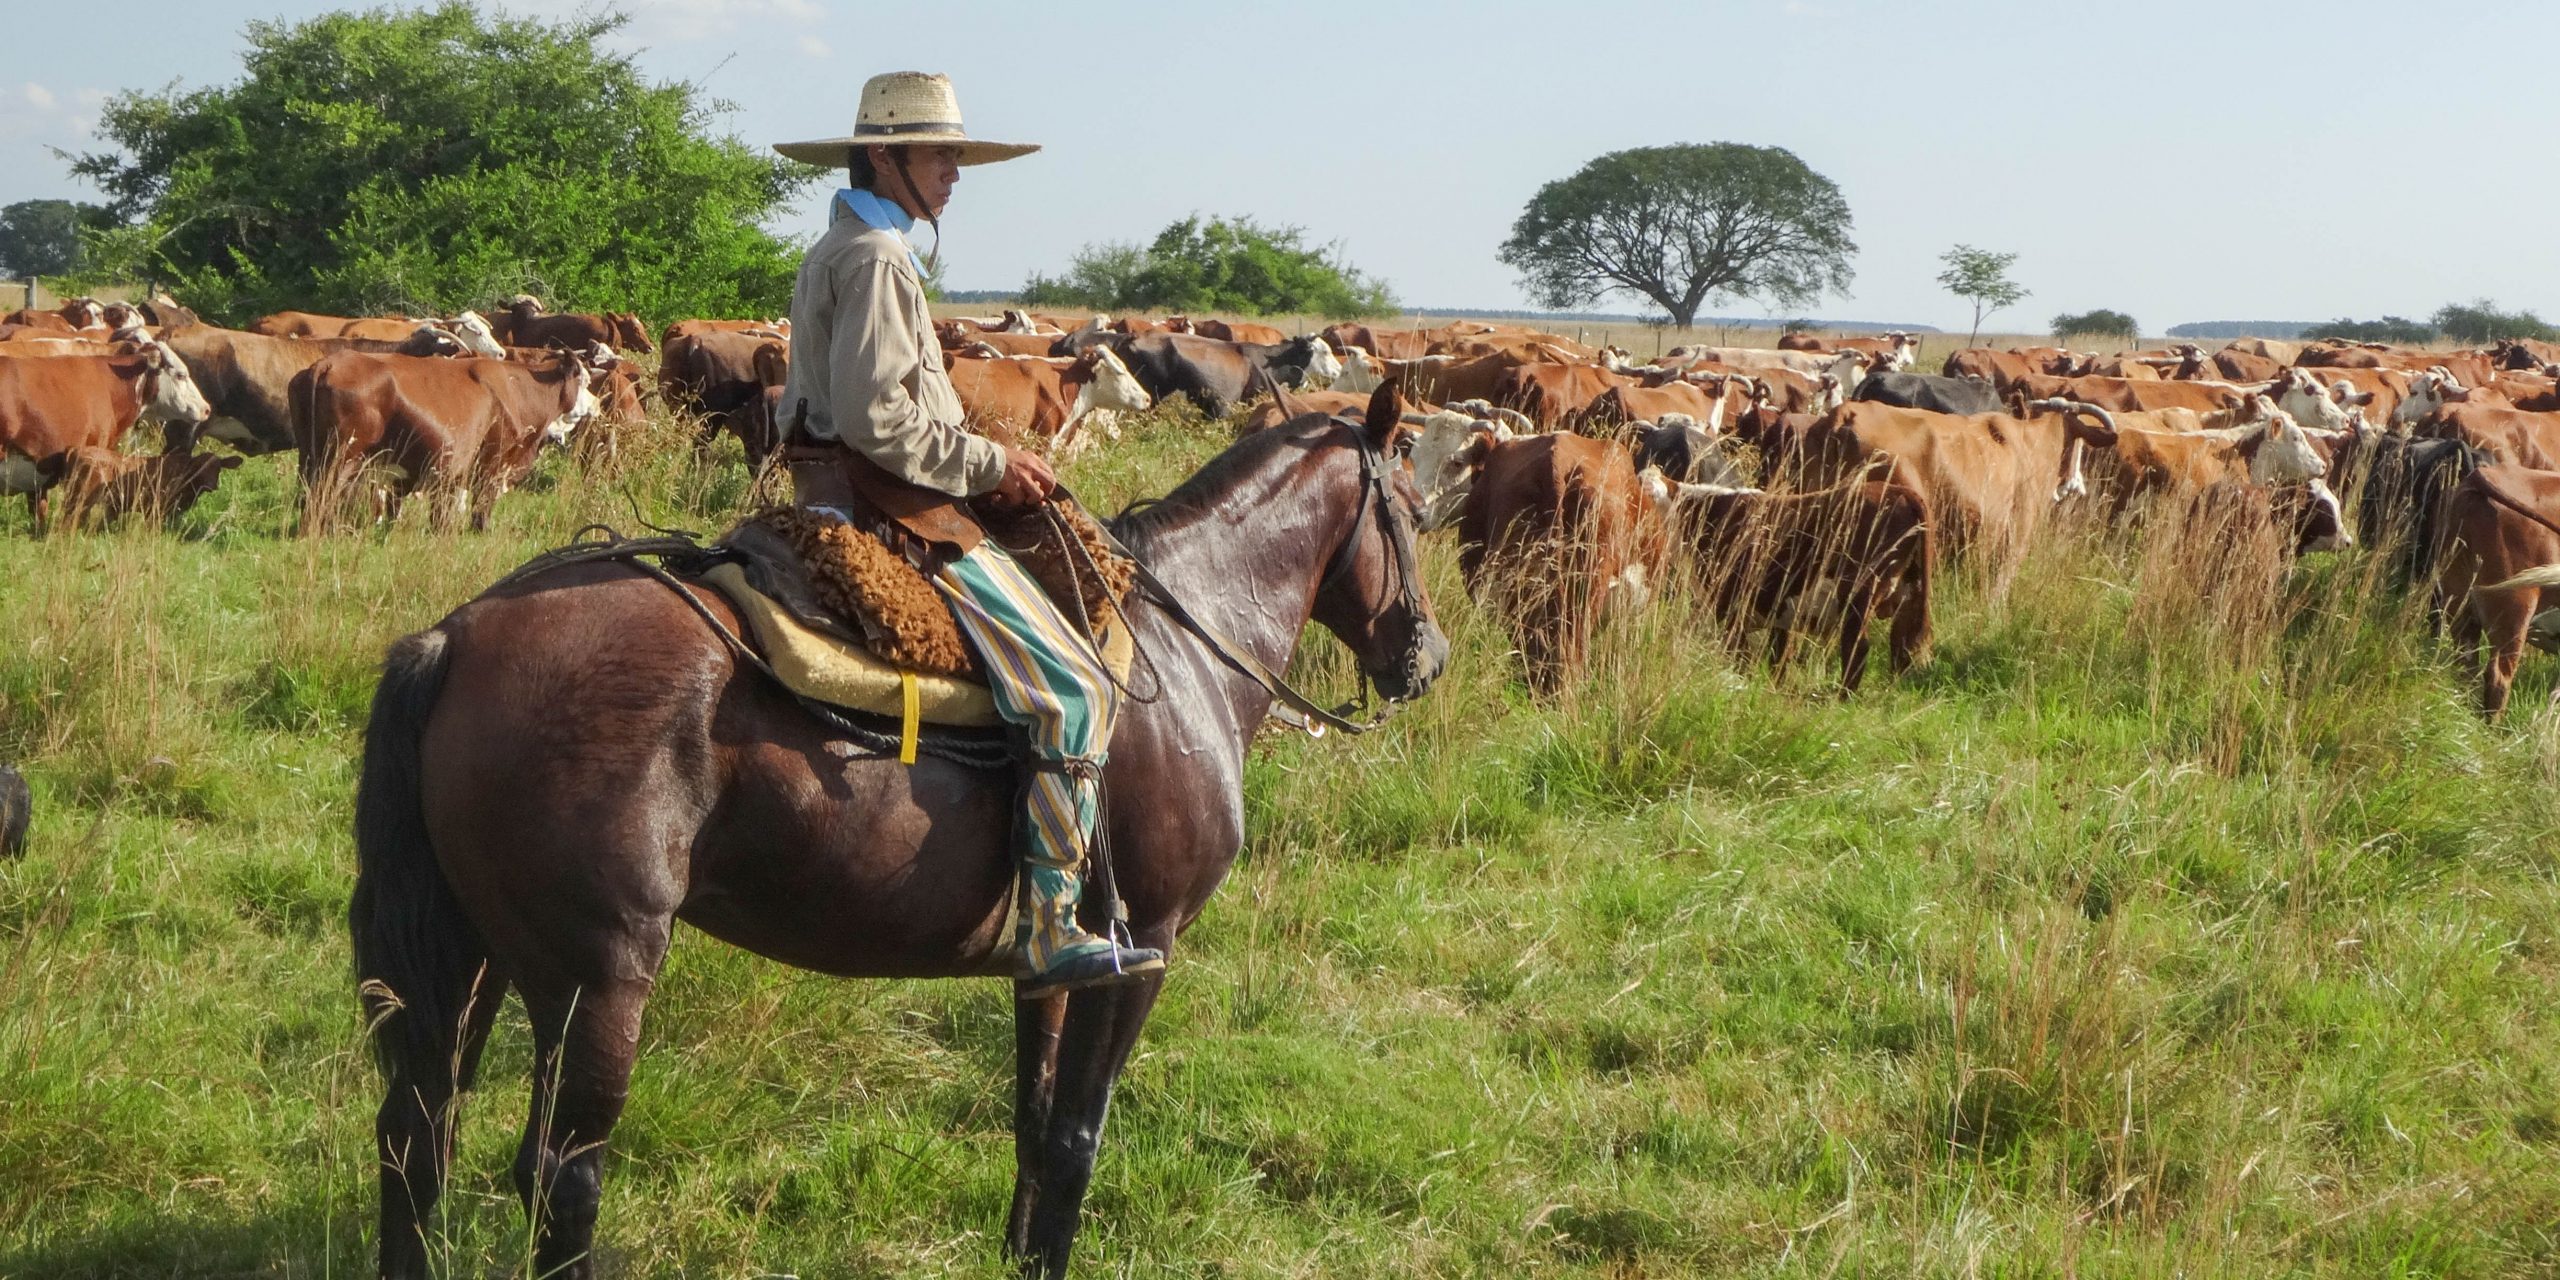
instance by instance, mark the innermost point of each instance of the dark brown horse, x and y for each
(563, 768)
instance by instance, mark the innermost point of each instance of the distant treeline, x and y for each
(2241, 329)
(1013, 297)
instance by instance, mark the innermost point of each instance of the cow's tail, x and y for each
(2545, 575)
(418, 957)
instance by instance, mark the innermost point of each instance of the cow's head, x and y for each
(472, 330)
(2285, 454)
(1840, 378)
(2324, 523)
(2085, 426)
(583, 402)
(178, 482)
(628, 333)
(1446, 457)
(1112, 386)
(170, 395)
(2300, 395)
(1361, 372)
(2428, 392)
(84, 313)
(772, 363)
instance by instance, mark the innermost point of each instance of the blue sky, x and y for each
(2177, 161)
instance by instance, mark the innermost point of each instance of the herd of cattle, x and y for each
(1811, 488)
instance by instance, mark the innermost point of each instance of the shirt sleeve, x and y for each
(871, 357)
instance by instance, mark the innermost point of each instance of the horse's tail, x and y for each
(418, 956)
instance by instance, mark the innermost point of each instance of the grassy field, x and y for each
(2143, 931)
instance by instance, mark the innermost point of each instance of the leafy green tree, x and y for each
(2392, 329)
(1681, 224)
(2101, 322)
(42, 237)
(1230, 265)
(428, 159)
(1981, 277)
(2481, 322)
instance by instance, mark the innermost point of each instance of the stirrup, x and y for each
(1110, 966)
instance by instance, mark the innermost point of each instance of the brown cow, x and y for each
(50, 407)
(1010, 344)
(2170, 452)
(1237, 331)
(687, 328)
(523, 324)
(247, 378)
(1020, 398)
(1386, 344)
(1551, 393)
(2500, 530)
(2128, 393)
(2515, 437)
(471, 427)
(2234, 365)
(75, 315)
(1554, 533)
(311, 324)
(714, 374)
(98, 485)
(2001, 368)
(1989, 478)
(1622, 404)
(1830, 560)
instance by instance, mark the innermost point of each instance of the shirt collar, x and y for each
(884, 215)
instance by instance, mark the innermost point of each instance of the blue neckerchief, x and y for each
(885, 215)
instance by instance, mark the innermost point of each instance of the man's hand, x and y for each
(1027, 479)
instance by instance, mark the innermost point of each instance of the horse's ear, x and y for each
(1386, 413)
(1290, 410)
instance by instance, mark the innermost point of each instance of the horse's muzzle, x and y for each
(1423, 663)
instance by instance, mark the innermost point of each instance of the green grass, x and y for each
(2133, 935)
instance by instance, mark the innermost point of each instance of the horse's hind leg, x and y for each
(584, 1042)
(1036, 1027)
(1102, 1027)
(413, 1130)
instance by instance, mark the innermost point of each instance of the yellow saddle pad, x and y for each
(845, 674)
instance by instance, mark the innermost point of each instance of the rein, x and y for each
(1301, 711)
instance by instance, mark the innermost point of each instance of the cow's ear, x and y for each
(1479, 446)
(1386, 413)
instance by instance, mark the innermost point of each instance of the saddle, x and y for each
(842, 609)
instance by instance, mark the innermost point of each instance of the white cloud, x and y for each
(668, 22)
(31, 110)
(815, 47)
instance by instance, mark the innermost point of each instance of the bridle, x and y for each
(1294, 708)
(1395, 528)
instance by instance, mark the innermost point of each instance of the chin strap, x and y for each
(933, 260)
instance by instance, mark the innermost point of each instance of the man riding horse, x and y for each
(879, 439)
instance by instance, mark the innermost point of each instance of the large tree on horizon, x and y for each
(427, 159)
(1678, 225)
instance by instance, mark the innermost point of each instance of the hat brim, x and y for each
(828, 153)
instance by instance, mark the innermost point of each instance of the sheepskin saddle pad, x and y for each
(845, 620)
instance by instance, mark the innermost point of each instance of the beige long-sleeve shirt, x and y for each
(864, 357)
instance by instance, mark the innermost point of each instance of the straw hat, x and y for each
(906, 109)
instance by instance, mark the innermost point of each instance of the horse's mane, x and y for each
(1141, 521)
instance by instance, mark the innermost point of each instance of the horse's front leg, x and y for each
(1036, 1028)
(1102, 1026)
